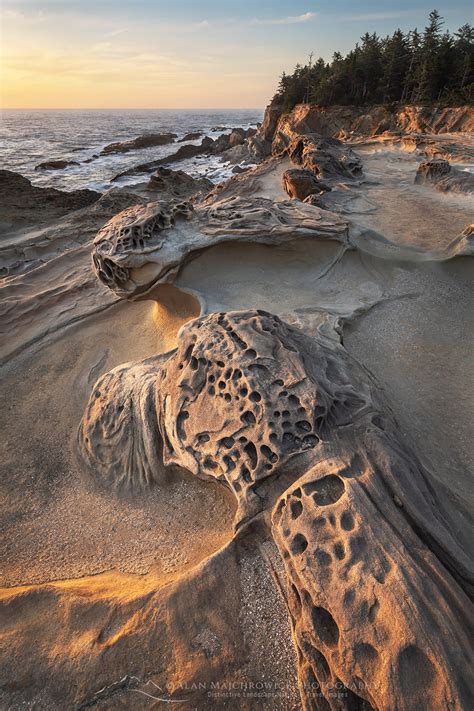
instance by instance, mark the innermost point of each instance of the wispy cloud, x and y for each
(291, 20)
(114, 33)
(369, 16)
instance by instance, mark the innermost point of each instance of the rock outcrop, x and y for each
(327, 158)
(261, 144)
(56, 164)
(188, 151)
(177, 184)
(349, 121)
(146, 141)
(444, 177)
(377, 584)
(24, 204)
(226, 141)
(300, 184)
(193, 136)
(145, 245)
(236, 137)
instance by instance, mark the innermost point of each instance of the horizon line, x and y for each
(131, 108)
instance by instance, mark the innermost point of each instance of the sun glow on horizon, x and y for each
(187, 53)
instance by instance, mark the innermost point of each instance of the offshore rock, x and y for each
(145, 141)
(55, 164)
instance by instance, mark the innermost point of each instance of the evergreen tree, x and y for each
(396, 66)
(433, 67)
(429, 77)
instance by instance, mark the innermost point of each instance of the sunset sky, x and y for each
(181, 53)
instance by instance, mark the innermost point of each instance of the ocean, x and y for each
(29, 137)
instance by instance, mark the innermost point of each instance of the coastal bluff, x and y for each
(356, 121)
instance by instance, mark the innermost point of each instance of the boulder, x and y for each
(237, 154)
(259, 147)
(177, 183)
(207, 143)
(236, 137)
(55, 164)
(325, 157)
(316, 199)
(441, 175)
(238, 169)
(376, 584)
(222, 143)
(146, 141)
(432, 170)
(301, 183)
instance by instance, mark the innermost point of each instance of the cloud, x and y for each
(114, 33)
(368, 16)
(291, 20)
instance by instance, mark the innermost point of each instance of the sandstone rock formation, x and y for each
(145, 245)
(327, 158)
(333, 121)
(146, 141)
(377, 585)
(177, 184)
(148, 244)
(444, 177)
(261, 143)
(348, 569)
(302, 183)
(258, 147)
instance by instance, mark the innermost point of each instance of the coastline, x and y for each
(183, 581)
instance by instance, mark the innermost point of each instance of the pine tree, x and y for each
(464, 61)
(428, 80)
(370, 65)
(410, 87)
(396, 66)
(433, 67)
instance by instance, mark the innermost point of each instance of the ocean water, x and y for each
(29, 137)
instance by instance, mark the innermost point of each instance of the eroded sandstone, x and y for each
(294, 426)
(144, 245)
(441, 175)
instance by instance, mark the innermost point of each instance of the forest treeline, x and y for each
(423, 68)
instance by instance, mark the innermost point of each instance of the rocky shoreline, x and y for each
(236, 434)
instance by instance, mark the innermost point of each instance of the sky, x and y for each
(182, 53)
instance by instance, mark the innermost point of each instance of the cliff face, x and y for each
(343, 121)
